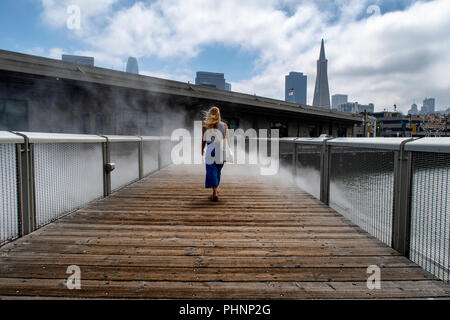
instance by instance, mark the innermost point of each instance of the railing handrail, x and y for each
(150, 138)
(117, 138)
(426, 144)
(369, 143)
(10, 138)
(438, 145)
(39, 137)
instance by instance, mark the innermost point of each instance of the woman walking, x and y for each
(214, 133)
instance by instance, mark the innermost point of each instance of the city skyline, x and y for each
(380, 56)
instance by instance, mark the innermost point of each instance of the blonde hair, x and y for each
(212, 118)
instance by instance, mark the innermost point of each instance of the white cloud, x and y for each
(397, 58)
(56, 53)
(92, 13)
(104, 59)
(182, 77)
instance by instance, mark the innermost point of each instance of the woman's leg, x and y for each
(219, 175)
(212, 180)
(219, 168)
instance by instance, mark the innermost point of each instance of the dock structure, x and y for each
(163, 238)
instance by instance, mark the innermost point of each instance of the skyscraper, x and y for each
(429, 106)
(414, 110)
(296, 87)
(89, 61)
(132, 65)
(338, 99)
(212, 80)
(322, 90)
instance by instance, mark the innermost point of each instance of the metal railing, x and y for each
(396, 189)
(430, 204)
(44, 177)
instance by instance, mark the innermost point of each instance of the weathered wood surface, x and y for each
(163, 238)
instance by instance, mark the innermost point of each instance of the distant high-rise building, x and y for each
(350, 107)
(429, 106)
(369, 108)
(355, 107)
(132, 65)
(338, 99)
(322, 90)
(78, 59)
(296, 87)
(212, 80)
(414, 110)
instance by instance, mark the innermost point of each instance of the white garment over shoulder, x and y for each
(215, 140)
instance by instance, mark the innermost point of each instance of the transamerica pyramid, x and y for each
(322, 91)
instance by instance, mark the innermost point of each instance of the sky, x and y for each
(384, 52)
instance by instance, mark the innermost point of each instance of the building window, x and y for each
(127, 123)
(342, 132)
(282, 126)
(100, 123)
(233, 123)
(13, 115)
(85, 123)
(315, 131)
(153, 124)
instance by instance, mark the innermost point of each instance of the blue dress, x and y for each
(214, 163)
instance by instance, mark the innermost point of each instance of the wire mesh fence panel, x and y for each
(126, 157)
(9, 215)
(361, 188)
(308, 168)
(151, 154)
(430, 213)
(286, 152)
(166, 152)
(67, 177)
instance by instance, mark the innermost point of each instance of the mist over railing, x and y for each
(44, 177)
(396, 189)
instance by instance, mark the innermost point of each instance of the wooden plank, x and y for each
(174, 228)
(203, 251)
(207, 261)
(42, 239)
(218, 290)
(125, 273)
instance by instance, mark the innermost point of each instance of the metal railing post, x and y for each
(401, 224)
(325, 173)
(294, 161)
(159, 154)
(106, 170)
(141, 159)
(26, 192)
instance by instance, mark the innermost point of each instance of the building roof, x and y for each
(28, 64)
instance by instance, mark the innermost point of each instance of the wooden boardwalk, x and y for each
(162, 238)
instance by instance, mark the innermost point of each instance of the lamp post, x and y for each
(446, 127)
(410, 124)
